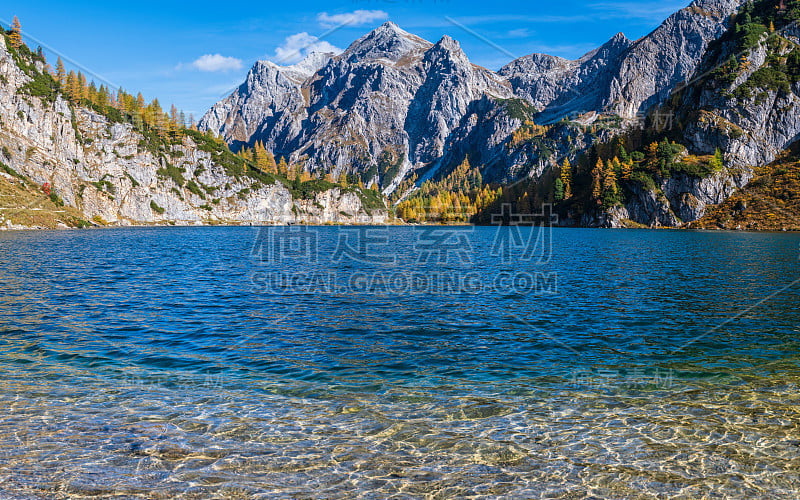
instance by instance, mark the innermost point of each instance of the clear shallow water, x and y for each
(155, 363)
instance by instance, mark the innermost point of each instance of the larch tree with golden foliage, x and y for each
(61, 74)
(597, 181)
(610, 177)
(15, 37)
(566, 178)
(627, 170)
(264, 159)
(283, 167)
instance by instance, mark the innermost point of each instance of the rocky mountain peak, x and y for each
(447, 49)
(388, 41)
(617, 42)
(299, 72)
(448, 43)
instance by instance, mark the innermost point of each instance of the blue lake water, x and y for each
(399, 362)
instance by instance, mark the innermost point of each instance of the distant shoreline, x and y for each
(398, 224)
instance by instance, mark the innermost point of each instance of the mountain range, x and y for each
(661, 131)
(426, 103)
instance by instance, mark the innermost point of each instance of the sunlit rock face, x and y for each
(103, 169)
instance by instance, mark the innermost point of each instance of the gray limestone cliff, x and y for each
(108, 172)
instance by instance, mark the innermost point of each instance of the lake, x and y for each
(399, 362)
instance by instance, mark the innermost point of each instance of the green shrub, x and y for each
(133, 181)
(174, 173)
(10, 171)
(104, 185)
(154, 206)
(43, 86)
(56, 200)
(518, 109)
(644, 179)
(192, 186)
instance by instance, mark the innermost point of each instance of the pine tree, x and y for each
(102, 97)
(610, 179)
(651, 157)
(61, 75)
(558, 190)
(716, 163)
(15, 37)
(269, 162)
(122, 101)
(616, 167)
(91, 93)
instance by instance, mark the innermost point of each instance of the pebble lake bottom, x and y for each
(169, 363)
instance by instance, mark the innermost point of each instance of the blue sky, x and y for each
(193, 53)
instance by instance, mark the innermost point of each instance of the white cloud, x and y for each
(518, 33)
(298, 46)
(216, 62)
(355, 18)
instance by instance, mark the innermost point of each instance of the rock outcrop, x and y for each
(752, 127)
(108, 171)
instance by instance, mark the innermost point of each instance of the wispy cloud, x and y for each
(213, 63)
(355, 18)
(299, 45)
(518, 33)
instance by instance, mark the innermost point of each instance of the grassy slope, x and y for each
(24, 204)
(771, 202)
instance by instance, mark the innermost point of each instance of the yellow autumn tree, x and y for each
(651, 156)
(15, 37)
(61, 75)
(73, 87)
(627, 170)
(283, 167)
(566, 178)
(610, 177)
(265, 161)
(597, 180)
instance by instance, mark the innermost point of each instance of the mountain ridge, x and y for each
(409, 117)
(387, 94)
